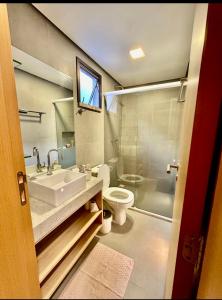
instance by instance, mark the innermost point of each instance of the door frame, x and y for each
(210, 279)
(202, 155)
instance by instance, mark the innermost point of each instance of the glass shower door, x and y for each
(149, 141)
(127, 161)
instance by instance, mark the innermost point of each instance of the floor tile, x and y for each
(135, 292)
(146, 240)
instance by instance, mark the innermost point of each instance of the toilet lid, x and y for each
(118, 195)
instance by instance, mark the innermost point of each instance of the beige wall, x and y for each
(34, 93)
(35, 35)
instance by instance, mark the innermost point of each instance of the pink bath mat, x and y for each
(103, 275)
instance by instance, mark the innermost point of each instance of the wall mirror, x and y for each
(45, 100)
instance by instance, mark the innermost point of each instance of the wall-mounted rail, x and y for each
(31, 114)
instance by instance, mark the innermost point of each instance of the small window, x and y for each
(88, 87)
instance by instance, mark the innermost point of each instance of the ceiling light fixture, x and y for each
(137, 53)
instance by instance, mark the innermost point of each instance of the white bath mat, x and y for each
(103, 275)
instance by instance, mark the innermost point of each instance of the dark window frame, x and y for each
(82, 65)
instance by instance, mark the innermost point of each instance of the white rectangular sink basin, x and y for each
(58, 187)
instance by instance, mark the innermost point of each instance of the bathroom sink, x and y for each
(55, 189)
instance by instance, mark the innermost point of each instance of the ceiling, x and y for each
(107, 32)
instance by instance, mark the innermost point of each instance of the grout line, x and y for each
(151, 214)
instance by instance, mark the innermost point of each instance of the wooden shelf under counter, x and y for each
(59, 250)
(57, 245)
(51, 283)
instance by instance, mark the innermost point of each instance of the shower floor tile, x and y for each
(148, 198)
(155, 202)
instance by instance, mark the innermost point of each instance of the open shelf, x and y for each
(58, 245)
(59, 273)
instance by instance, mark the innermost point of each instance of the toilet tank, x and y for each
(116, 170)
(104, 173)
(113, 173)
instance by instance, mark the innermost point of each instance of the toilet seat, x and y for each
(132, 178)
(118, 195)
(128, 179)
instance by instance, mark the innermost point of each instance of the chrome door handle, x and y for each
(172, 166)
(22, 180)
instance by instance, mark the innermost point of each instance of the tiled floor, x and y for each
(156, 202)
(146, 240)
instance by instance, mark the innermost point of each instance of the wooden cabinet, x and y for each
(60, 250)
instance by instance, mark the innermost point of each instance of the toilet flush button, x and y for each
(62, 190)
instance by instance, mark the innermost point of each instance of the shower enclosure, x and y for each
(141, 139)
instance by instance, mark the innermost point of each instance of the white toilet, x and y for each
(118, 199)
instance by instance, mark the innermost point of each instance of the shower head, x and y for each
(80, 111)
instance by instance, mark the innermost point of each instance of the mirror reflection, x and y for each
(45, 99)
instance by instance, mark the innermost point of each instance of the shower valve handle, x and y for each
(172, 166)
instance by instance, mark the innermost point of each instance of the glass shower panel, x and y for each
(149, 141)
(112, 128)
(127, 162)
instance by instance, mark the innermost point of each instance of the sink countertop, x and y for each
(45, 217)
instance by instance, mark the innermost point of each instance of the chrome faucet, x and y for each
(49, 166)
(36, 153)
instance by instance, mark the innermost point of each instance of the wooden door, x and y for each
(210, 286)
(198, 141)
(186, 136)
(18, 264)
